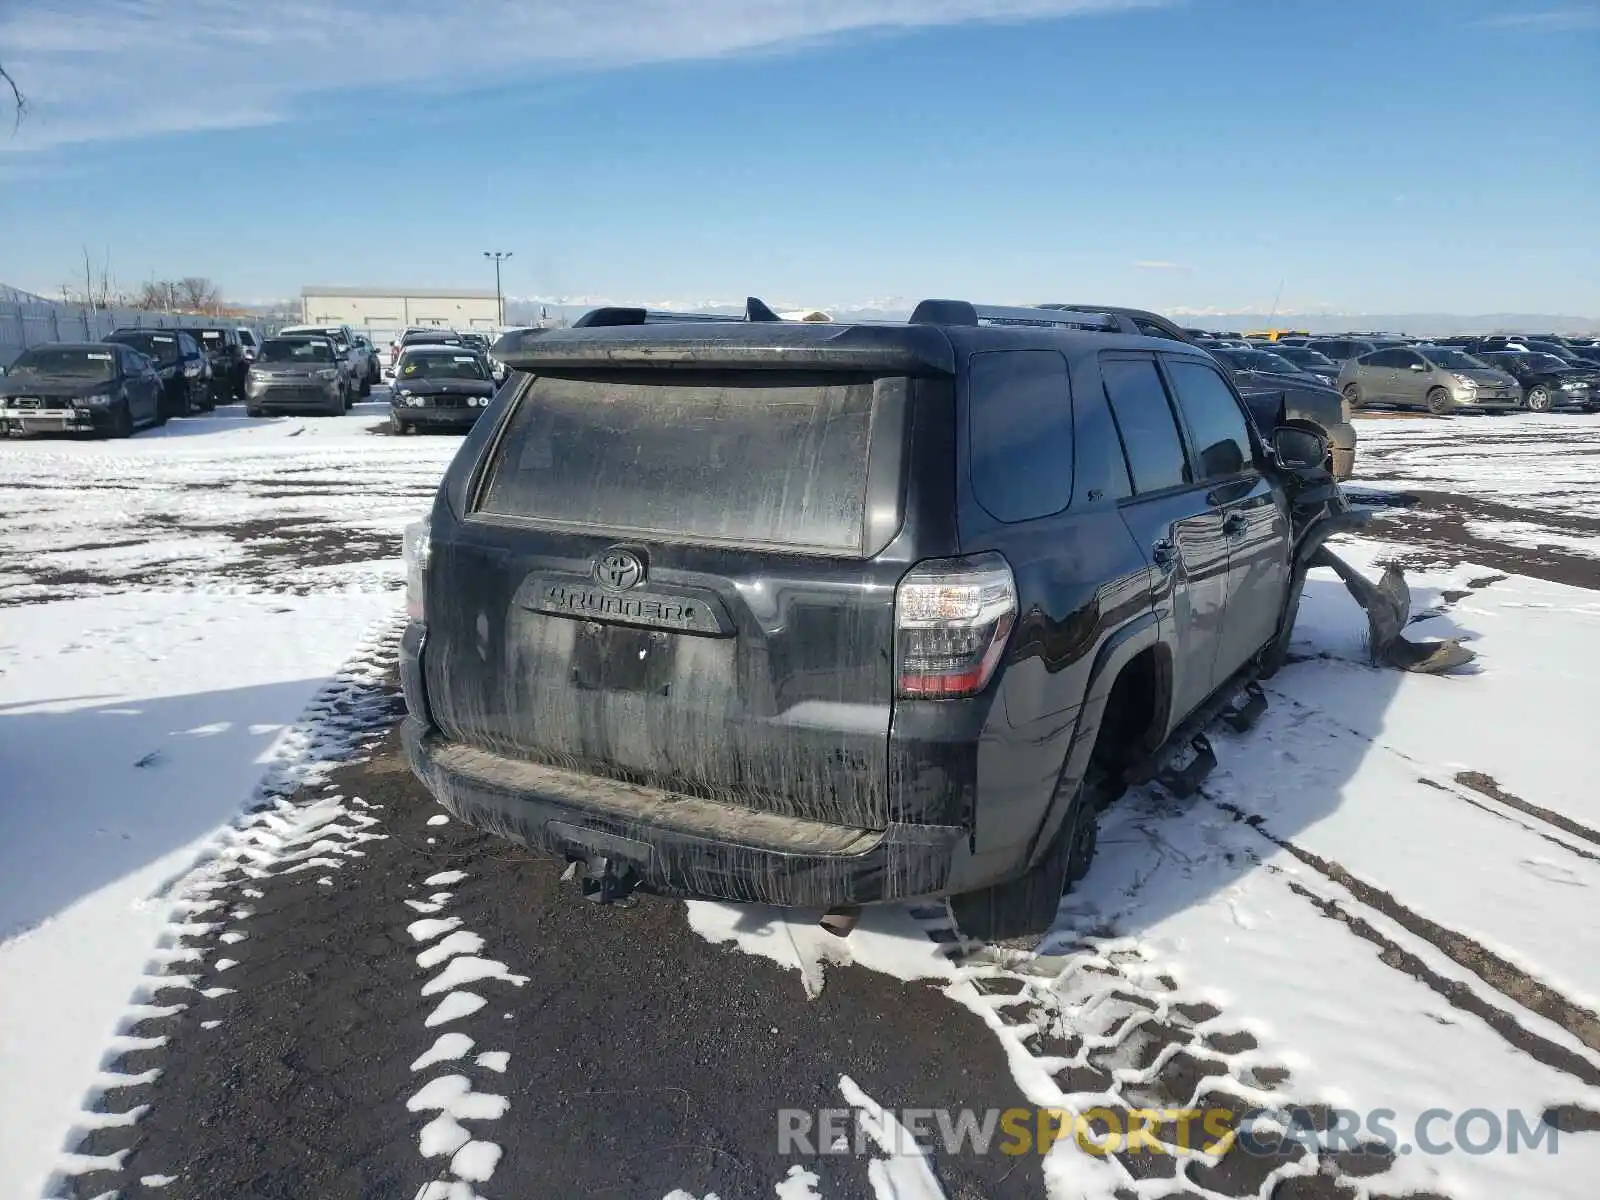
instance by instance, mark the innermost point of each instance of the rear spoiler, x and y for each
(731, 343)
(754, 310)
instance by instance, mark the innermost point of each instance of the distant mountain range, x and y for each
(528, 311)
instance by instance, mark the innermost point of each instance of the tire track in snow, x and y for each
(1098, 1024)
(451, 1097)
(1471, 787)
(1510, 981)
(272, 837)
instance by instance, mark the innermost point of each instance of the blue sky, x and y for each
(1192, 155)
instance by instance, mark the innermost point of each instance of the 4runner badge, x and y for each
(619, 570)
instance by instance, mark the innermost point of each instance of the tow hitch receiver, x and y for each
(604, 880)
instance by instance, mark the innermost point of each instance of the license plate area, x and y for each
(620, 658)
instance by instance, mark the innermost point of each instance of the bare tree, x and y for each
(200, 294)
(19, 102)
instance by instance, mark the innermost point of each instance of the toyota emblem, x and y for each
(619, 570)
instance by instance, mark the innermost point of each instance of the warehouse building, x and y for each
(385, 311)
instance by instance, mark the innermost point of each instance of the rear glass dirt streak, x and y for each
(707, 446)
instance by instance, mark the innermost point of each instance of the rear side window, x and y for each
(1216, 422)
(1144, 419)
(764, 458)
(1019, 431)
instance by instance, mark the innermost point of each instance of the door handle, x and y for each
(1164, 553)
(1234, 524)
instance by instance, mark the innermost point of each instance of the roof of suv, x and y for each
(925, 344)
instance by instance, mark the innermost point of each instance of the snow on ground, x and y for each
(144, 706)
(1385, 898)
(223, 504)
(1549, 463)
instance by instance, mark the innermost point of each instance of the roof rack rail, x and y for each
(963, 312)
(754, 310)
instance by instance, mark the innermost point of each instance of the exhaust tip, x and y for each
(840, 921)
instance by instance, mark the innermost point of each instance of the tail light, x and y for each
(952, 618)
(416, 546)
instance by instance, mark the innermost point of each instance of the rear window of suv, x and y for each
(760, 458)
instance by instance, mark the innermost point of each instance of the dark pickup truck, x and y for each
(829, 614)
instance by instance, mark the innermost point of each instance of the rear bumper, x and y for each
(677, 844)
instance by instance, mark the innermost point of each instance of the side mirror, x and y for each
(1298, 449)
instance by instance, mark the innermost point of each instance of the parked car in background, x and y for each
(344, 340)
(1308, 360)
(103, 388)
(439, 387)
(250, 340)
(1441, 379)
(228, 363)
(1547, 382)
(300, 373)
(1265, 366)
(1559, 349)
(1341, 350)
(184, 368)
(430, 337)
(371, 360)
(396, 341)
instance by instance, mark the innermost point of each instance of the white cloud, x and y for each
(1156, 264)
(1555, 18)
(110, 69)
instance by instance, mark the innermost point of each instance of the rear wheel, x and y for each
(366, 386)
(1352, 395)
(1539, 399)
(1439, 402)
(1027, 906)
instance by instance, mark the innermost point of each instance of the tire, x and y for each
(366, 387)
(1439, 402)
(121, 420)
(1539, 399)
(252, 411)
(1027, 906)
(396, 426)
(1352, 395)
(341, 405)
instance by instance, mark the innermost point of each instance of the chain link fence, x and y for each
(33, 324)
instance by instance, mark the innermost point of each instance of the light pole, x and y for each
(499, 256)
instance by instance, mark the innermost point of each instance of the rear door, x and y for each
(1253, 520)
(672, 576)
(1377, 377)
(1413, 378)
(1176, 526)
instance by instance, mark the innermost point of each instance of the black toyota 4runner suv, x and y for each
(829, 614)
